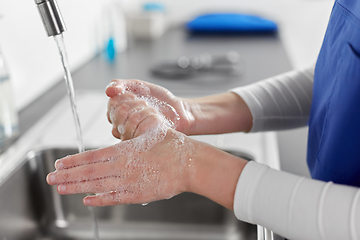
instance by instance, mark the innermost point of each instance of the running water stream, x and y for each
(70, 89)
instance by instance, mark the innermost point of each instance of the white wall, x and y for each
(34, 62)
(32, 57)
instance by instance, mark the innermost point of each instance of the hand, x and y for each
(132, 101)
(149, 168)
(140, 170)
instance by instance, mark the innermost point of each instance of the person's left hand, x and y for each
(141, 170)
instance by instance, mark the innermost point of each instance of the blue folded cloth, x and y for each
(230, 23)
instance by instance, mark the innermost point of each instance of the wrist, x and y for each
(214, 174)
(187, 118)
(217, 114)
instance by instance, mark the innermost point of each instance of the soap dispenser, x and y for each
(8, 115)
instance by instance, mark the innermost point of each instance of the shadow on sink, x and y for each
(31, 209)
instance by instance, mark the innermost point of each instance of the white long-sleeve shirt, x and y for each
(294, 207)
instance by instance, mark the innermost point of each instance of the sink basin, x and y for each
(31, 209)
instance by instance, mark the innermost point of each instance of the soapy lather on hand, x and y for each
(132, 101)
(154, 160)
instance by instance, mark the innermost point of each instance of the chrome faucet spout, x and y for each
(51, 17)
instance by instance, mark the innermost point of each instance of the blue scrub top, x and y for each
(334, 125)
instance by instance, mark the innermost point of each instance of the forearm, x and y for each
(222, 113)
(296, 207)
(280, 102)
(276, 103)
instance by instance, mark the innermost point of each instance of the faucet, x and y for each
(51, 17)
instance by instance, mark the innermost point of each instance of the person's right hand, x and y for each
(132, 101)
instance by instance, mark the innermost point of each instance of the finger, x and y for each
(125, 196)
(119, 114)
(114, 88)
(133, 121)
(89, 172)
(98, 201)
(114, 102)
(149, 123)
(138, 87)
(87, 157)
(104, 184)
(115, 133)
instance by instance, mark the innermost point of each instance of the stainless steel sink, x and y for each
(31, 209)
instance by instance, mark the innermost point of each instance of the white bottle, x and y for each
(8, 116)
(150, 23)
